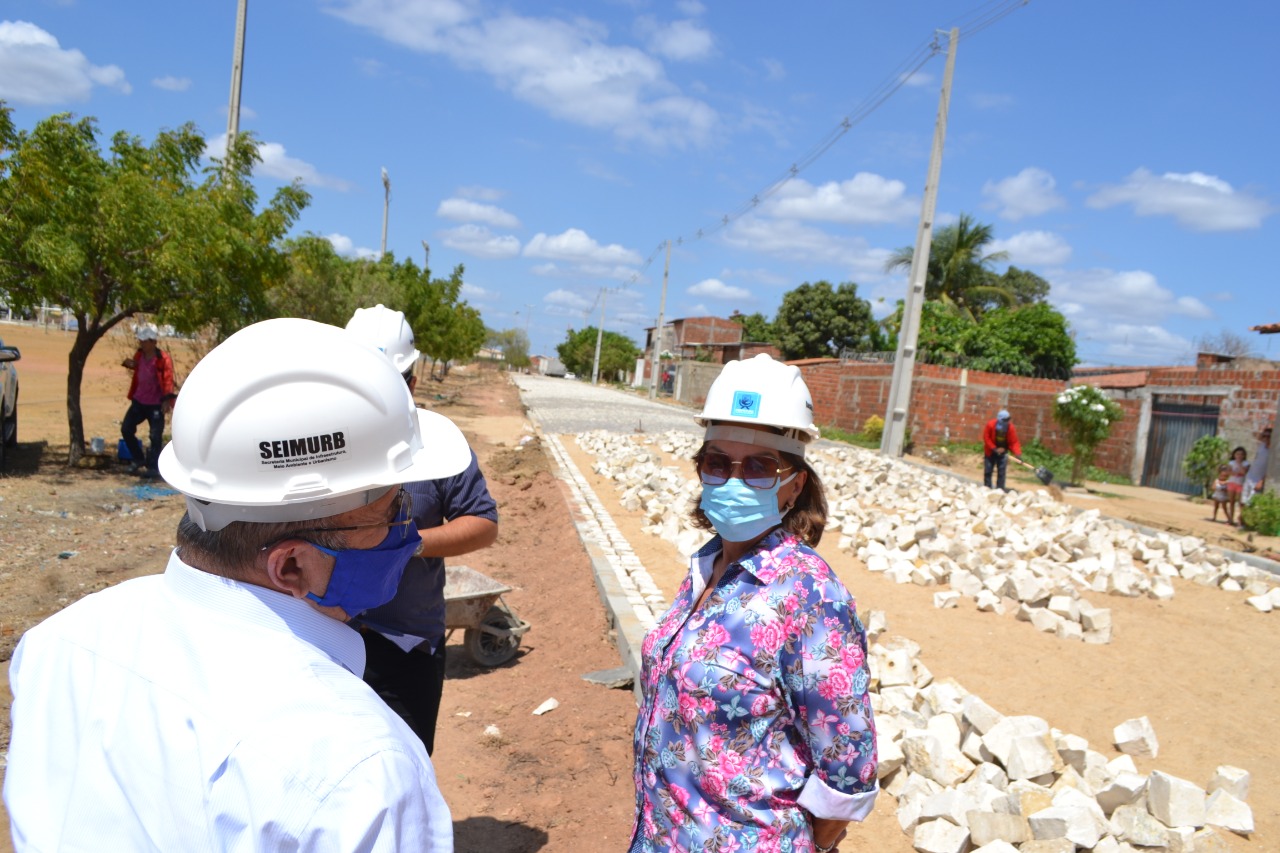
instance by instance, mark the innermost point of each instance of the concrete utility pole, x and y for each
(386, 206)
(595, 365)
(895, 418)
(657, 333)
(237, 76)
(426, 255)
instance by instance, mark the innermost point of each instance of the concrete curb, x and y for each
(625, 587)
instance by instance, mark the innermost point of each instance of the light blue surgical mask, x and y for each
(740, 513)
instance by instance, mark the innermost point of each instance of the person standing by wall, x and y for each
(404, 638)
(1256, 480)
(219, 705)
(150, 396)
(1238, 467)
(999, 439)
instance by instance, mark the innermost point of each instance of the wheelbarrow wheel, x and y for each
(497, 638)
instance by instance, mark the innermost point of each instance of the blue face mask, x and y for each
(740, 513)
(366, 578)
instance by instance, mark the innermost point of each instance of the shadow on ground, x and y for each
(491, 835)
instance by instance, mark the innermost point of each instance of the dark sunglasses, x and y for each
(758, 472)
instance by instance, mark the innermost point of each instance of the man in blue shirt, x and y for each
(404, 638)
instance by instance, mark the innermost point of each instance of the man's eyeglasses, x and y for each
(399, 523)
(758, 472)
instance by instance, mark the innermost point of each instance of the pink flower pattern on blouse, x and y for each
(747, 698)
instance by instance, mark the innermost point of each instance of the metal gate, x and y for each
(1174, 428)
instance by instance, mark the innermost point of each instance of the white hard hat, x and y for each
(388, 331)
(761, 392)
(147, 332)
(291, 419)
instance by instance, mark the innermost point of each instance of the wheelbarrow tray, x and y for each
(472, 602)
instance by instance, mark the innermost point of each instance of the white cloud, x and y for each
(991, 100)
(564, 67)
(683, 41)
(1112, 294)
(794, 241)
(1034, 248)
(481, 242)
(577, 247)
(773, 69)
(692, 8)
(172, 84)
(1028, 193)
(479, 193)
(276, 163)
(918, 79)
(1195, 200)
(1130, 344)
(714, 288)
(344, 245)
(865, 199)
(567, 299)
(475, 293)
(34, 69)
(464, 210)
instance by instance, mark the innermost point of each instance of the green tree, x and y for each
(959, 271)
(1086, 415)
(1202, 461)
(1029, 341)
(577, 352)
(514, 344)
(817, 320)
(141, 230)
(756, 328)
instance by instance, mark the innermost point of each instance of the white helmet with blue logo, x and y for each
(389, 331)
(760, 392)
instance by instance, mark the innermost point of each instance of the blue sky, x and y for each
(1124, 151)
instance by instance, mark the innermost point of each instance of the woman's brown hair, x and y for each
(808, 515)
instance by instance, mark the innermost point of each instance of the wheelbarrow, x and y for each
(473, 602)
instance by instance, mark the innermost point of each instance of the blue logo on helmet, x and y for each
(746, 404)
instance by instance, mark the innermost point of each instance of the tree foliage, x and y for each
(514, 344)
(959, 272)
(756, 328)
(1029, 341)
(1203, 460)
(1086, 415)
(816, 320)
(577, 352)
(141, 229)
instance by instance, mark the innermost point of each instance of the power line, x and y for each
(970, 24)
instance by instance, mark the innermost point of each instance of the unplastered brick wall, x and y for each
(1251, 386)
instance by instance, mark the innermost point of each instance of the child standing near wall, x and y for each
(1219, 495)
(1237, 467)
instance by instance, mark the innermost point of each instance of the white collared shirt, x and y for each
(187, 711)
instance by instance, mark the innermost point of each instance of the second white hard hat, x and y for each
(387, 330)
(291, 419)
(760, 391)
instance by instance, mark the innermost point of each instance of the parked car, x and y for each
(8, 399)
(570, 375)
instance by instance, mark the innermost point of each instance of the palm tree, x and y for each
(959, 274)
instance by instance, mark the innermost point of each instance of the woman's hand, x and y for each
(827, 833)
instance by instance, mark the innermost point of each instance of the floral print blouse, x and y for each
(755, 710)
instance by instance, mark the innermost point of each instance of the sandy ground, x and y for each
(1201, 666)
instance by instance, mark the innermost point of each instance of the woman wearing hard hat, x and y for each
(755, 731)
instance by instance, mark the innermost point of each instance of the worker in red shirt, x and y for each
(151, 394)
(999, 439)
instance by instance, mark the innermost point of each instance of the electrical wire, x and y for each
(970, 24)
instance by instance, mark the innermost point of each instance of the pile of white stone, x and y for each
(1022, 550)
(967, 778)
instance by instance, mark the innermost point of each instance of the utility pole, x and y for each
(595, 365)
(237, 77)
(657, 333)
(895, 417)
(426, 253)
(386, 206)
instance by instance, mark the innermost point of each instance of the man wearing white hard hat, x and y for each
(404, 638)
(220, 706)
(150, 396)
